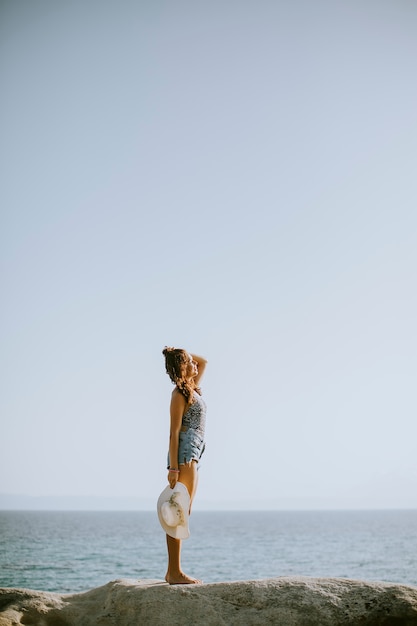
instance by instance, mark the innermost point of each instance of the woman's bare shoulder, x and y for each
(177, 396)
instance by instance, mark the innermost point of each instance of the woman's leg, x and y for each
(175, 576)
(189, 477)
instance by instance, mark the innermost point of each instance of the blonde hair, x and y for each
(176, 362)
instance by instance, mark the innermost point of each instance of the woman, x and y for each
(186, 439)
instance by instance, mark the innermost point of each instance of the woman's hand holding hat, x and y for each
(173, 476)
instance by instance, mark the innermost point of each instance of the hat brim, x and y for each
(181, 531)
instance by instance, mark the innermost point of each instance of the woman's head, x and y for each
(182, 369)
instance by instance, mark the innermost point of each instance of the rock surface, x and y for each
(278, 601)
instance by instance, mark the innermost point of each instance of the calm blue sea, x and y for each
(76, 551)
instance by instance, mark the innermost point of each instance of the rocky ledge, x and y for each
(280, 601)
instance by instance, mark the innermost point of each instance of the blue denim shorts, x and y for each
(190, 447)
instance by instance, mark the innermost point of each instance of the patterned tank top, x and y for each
(195, 417)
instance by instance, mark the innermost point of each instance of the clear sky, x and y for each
(235, 178)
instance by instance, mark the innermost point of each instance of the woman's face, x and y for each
(192, 369)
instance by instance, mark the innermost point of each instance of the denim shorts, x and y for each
(190, 447)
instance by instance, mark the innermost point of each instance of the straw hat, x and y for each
(173, 506)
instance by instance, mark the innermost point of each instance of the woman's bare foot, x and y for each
(182, 579)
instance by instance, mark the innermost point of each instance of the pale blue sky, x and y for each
(237, 178)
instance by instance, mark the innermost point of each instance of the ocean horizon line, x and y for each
(15, 502)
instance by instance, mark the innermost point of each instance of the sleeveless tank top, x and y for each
(195, 417)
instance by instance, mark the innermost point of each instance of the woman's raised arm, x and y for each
(201, 365)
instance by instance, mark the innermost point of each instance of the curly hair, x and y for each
(176, 362)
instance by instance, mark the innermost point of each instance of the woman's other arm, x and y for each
(176, 412)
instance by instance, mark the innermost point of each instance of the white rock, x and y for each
(280, 601)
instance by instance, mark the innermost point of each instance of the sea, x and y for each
(70, 551)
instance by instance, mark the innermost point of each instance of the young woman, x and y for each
(186, 439)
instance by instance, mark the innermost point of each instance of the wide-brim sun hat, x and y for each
(173, 511)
